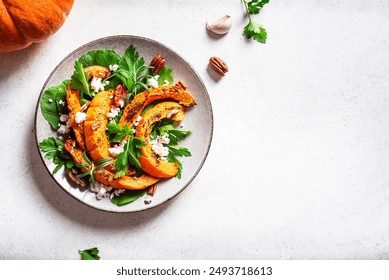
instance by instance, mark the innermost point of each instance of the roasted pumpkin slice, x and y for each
(150, 162)
(106, 177)
(97, 71)
(140, 101)
(134, 183)
(96, 123)
(74, 106)
(101, 176)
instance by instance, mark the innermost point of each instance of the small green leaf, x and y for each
(51, 103)
(255, 31)
(180, 151)
(255, 6)
(54, 150)
(103, 58)
(90, 254)
(127, 197)
(80, 79)
(165, 75)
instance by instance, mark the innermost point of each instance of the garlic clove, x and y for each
(220, 26)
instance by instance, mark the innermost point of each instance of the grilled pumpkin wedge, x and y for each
(150, 162)
(140, 101)
(74, 106)
(105, 176)
(95, 125)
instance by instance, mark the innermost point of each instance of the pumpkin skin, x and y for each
(23, 22)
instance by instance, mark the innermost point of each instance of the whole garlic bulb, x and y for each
(220, 26)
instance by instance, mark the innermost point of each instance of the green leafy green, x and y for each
(103, 58)
(165, 75)
(80, 79)
(133, 72)
(90, 254)
(127, 197)
(131, 149)
(254, 30)
(54, 150)
(52, 103)
(255, 6)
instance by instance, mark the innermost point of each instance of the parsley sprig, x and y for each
(54, 150)
(133, 72)
(131, 149)
(90, 254)
(254, 30)
(92, 166)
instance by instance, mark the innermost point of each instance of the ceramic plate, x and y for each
(198, 119)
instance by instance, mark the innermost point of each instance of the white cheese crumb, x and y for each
(153, 81)
(116, 150)
(147, 199)
(63, 117)
(138, 119)
(114, 67)
(172, 113)
(166, 82)
(158, 147)
(121, 103)
(51, 100)
(63, 129)
(117, 193)
(113, 113)
(96, 84)
(80, 117)
(100, 190)
(61, 102)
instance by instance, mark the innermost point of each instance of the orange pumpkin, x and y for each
(23, 22)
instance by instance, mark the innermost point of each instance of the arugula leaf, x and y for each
(80, 79)
(165, 75)
(127, 197)
(254, 30)
(103, 58)
(133, 72)
(90, 254)
(255, 6)
(54, 150)
(50, 103)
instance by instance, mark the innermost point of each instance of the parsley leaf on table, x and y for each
(54, 150)
(255, 6)
(90, 254)
(254, 30)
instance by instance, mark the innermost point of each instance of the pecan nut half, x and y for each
(218, 65)
(158, 62)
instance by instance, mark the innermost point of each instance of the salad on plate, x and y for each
(118, 123)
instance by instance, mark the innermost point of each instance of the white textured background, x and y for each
(299, 164)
